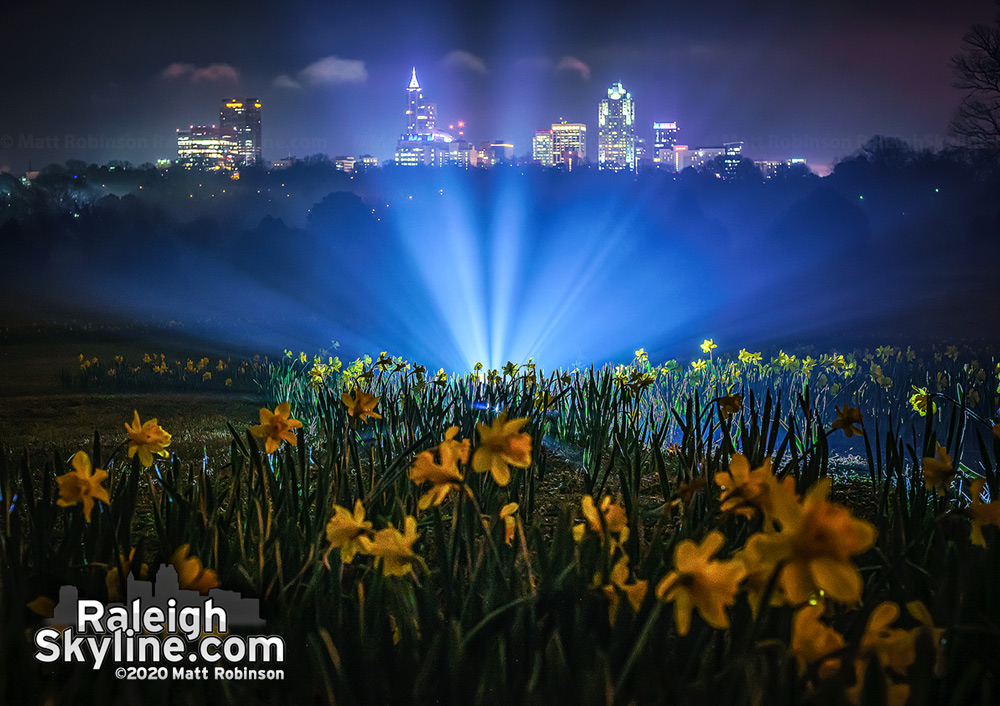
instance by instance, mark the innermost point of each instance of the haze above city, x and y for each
(788, 80)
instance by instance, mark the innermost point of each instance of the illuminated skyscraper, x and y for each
(242, 115)
(616, 131)
(664, 140)
(569, 143)
(541, 148)
(206, 147)
(422, 143)
(664, 136)
(732, 158)
(421, 115)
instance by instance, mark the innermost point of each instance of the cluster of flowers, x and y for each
(191, 370)
(802, 557)
(84, 486)
(501, 445)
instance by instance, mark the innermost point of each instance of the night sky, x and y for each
(790, 80)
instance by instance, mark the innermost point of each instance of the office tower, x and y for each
(421, 115)
(422, 143)
(242, 115)
(491, 154)
(616, 130)
(569, 143)
(640, 152)
(664, 135)
(731, 158)
(664, 140)
(541, 148)
(206, 147)
(699, 157)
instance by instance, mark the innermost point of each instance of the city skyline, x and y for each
(786, 80)
(236, 142)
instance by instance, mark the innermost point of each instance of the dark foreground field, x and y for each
(39, 411)
(609, 536)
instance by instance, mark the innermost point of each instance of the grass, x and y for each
(569, 606)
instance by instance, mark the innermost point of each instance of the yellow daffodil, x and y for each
(635, 592)
(760, 569)
(394, 549)
(345, 531)
(43, 606)
(190, 572)
(146, 440)
(384, 361)
(610, 518)
(698, 581)
(360, 405)
(502, 445)
(833, 363)
(82, 485)
(543, 400)
(276, 427)
(816, 542)
(444, 476)
(745, 491)
(748, 358)
(508, 514)
(938, 472)
(699, 366)
(708, 345)
(894, 647)
(729, 405)
(813, 642)
(981, 513)
(848, 419)
(920, 400)
(686, 491)
(923, 616)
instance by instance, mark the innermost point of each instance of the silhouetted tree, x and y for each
(978, 73)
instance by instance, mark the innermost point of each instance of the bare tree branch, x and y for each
(977, 71)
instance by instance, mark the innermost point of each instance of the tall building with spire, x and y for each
(421, 115)
(422, 142)
(616, 130)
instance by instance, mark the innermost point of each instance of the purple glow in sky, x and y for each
(789, 80)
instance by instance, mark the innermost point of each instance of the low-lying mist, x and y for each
(451, 267)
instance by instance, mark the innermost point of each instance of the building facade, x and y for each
(569, 144)
(421, 114)
(242, 115)
(422, 143)
(664, 140)
(732, 156)
(541, 148)
(207, 147)
(616, 131)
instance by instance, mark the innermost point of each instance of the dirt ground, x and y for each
(37, 412)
